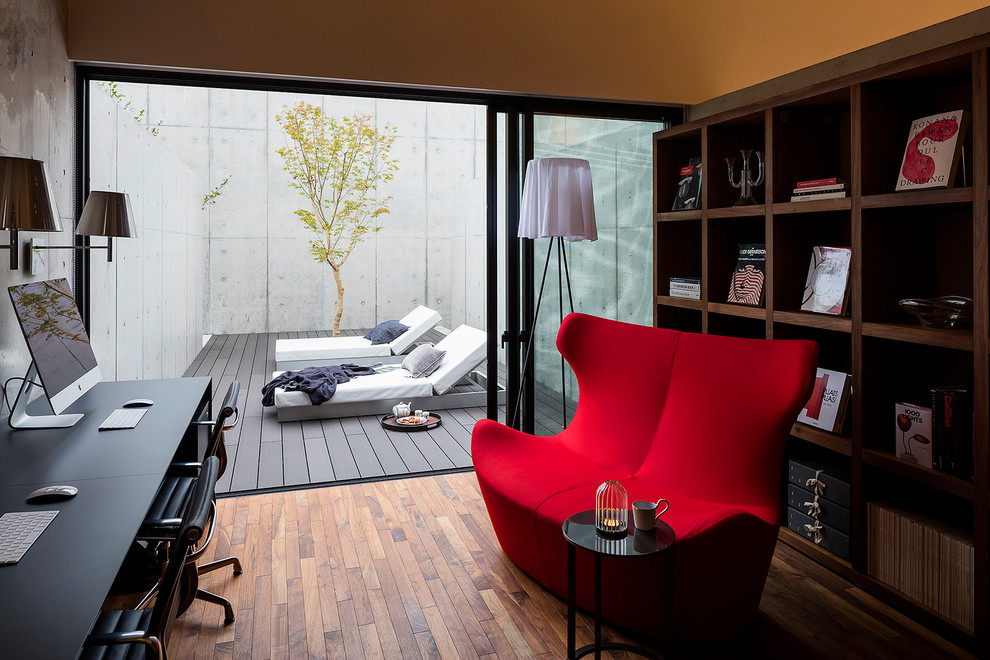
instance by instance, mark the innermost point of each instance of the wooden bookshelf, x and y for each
(915, 244)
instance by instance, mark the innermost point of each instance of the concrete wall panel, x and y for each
(238, 284)
(240, 210)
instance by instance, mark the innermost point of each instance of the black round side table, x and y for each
(580, 532)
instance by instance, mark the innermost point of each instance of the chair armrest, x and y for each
(190, 469)
(129, 637)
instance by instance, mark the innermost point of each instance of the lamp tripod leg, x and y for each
(560, 305)
(529, 342)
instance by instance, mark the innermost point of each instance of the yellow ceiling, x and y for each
(639, 50)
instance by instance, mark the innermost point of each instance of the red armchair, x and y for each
(700, 420)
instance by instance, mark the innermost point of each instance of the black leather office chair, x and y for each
(222, 423)
(149, 630)
(164, 516)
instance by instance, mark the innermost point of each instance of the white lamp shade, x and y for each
(558, 201)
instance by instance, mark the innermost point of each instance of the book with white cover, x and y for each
(828, 280)
(932, 152)
(826, 409)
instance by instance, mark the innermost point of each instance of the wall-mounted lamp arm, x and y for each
(13, 246)
(108, 247)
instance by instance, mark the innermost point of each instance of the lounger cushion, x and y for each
(419, 321)
(394, 383)
(328, 348)
(465, 348)
(423, 361)
(385, 332)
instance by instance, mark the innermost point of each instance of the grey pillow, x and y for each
(385, 332)
(423, 361)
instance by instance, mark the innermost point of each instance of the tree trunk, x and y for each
(340, 301)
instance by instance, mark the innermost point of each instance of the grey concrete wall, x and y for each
(260, 275)
(610, 277)
(35, 121)
(147, 305)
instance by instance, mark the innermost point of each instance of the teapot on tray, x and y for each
(402, 409)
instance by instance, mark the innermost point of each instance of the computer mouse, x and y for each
(51, 494)
(138, 403)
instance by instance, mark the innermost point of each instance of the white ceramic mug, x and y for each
(646, 514)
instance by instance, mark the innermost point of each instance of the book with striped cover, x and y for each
(746, 287)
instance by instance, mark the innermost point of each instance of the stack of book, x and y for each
(830, 188)
(924, 557)
(686, 287)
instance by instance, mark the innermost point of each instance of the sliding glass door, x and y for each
(610, 277)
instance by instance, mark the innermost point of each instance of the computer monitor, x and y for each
(61, 353)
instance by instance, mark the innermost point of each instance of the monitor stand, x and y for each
(19, 417)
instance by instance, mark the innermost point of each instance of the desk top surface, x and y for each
(31, 456)
(49, 600)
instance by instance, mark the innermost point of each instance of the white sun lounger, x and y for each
(319, 351)
(377, 393)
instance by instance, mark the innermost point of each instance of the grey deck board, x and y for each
(295, 468)
(318, 459)
(364, 456)
(384, 450)
(265, 454)
(341, 458)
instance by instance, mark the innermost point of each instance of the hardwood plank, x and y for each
(438, 585)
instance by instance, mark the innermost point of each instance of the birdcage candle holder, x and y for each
(611, 508)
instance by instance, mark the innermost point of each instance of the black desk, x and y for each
(50, 599)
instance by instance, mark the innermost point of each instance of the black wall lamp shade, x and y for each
(26, 201)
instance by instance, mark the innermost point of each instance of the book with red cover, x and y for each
(828, 280)
(814, 183)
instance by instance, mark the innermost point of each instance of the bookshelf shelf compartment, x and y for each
(816, 206)
(812, 320)
(838, 443)
(679, 216)
(685, 303)
(943, 482)
(944, 197)
(958, 339)
(738, 211)
(732, 309)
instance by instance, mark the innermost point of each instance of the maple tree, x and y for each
(337, 164)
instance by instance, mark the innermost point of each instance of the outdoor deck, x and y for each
(266, 455)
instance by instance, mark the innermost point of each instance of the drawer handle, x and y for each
(814, 532)
(817, 483)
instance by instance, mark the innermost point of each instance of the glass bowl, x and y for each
(941, 312)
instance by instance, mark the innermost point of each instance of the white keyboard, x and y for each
(18, 530)
(123, 418)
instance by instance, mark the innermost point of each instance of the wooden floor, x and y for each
(266, 454)
(411, 568)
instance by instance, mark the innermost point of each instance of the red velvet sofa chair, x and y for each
(700, 420)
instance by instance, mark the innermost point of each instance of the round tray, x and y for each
(434, 420)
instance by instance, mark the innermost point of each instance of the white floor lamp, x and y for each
(558, 204)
